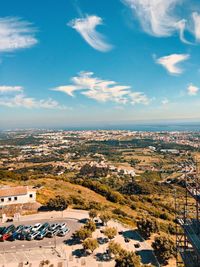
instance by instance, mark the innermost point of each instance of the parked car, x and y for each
(27, 228)
(45, 226)
(32, 235)
(22, 235)
(15, 234)
(52, 233)
(41, 235)
(7, 232)
(63, 231)
(5, 237)
(53, 226)
(36, 227)
(62, 225)
(2, 229)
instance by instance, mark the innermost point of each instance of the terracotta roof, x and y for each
(13, 191)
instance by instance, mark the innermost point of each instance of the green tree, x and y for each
(164, 248)
(110, 232)
(82, 233)
(90, 244)
(57, 203)
(105, 217)
(147, 226)
(114, 248)
(90, 225)
(93, 213)
(128, 259)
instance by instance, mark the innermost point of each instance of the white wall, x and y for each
(20, 199)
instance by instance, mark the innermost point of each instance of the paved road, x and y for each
(8, 246)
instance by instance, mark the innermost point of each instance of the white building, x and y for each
(17, 195)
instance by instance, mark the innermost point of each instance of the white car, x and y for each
(36, 227)
(63, 232)
(62, 226)
(53, 226)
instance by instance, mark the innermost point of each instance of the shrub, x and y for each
(128, 259)
(110, 232)
(90, 225)
(119, 212)
(82, 233)
(146, 227)
(105, 217)
(93, 213)
(57, 203)
(114, 248)
(164, 248)
(90, 244)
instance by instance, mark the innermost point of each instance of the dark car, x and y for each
(15, 234)
(22, 235)
(7, 232)
(2, 229)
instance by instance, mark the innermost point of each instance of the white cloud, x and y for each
(139, 98)
(22, 101)
(157, 17)
(102, 90)
(192, 90)
(165, 101)
(170, 63)
(9, 89)
(87, 29)
(15, 34)
(196, 20)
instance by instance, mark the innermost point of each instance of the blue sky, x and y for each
(82, 62)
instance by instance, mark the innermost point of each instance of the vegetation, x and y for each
(110, 232)
(90, 244)
(90, 225)
(127, 259)
(93, 171)
(105, 217)
(57, 203)
(146, 227)
(114, 248)
(82, 234)
(164, 248)
(93, 213)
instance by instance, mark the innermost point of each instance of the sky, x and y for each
(81, 62)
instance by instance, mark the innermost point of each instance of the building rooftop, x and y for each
(13, 191)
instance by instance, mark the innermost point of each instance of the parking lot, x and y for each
(20, 245)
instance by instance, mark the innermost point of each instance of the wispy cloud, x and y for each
(16, 34)
(192, 90)
(13, 97)
(102, 90)
(196, 20)
(170, 62)
(20, 100)
(86, 27)
(156, 16)
(10, 89)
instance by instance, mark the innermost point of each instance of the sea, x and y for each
(178, 127)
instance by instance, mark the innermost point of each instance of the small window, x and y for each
(2, 199)
(9, 199)
(31, 195)
(15, 198)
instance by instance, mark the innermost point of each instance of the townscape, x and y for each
(118, 182)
